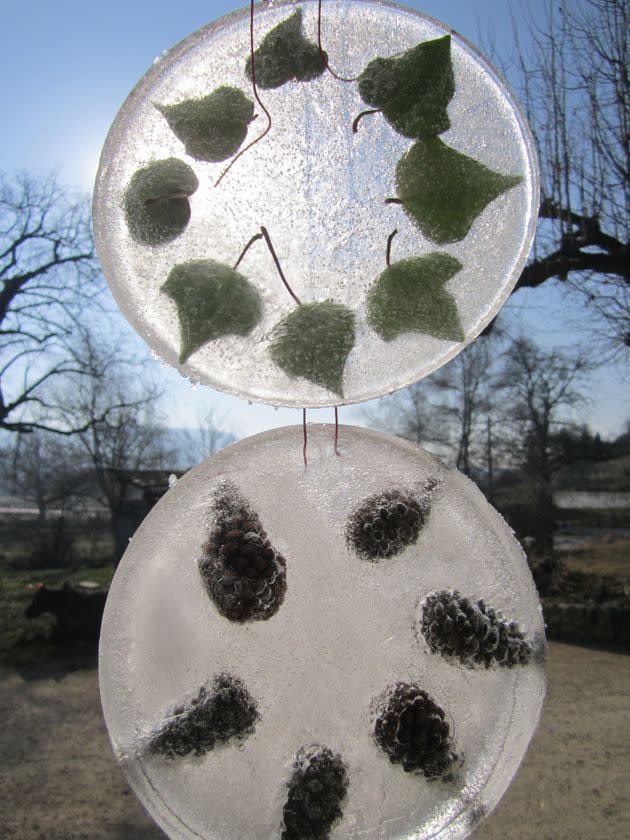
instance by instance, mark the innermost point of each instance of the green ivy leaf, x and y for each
(314, 341)
(212, 300)
(285, 54)
(211, 128)
(443, 191)
(409, 296)
(413, 89)
(156, 201)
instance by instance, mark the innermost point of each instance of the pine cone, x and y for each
(317, 788)
(476, 635)
(386, 523)
(410, 727)
(242, 572)
(211, 718)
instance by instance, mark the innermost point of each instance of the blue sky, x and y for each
(67, 68)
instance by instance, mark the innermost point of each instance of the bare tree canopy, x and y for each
(575, 83)
(541, 387)
(450, 409)
(196, 444)
(114, 407)
(41, 468)
(48, 273)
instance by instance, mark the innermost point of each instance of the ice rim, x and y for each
(462, 822)
(168, 354)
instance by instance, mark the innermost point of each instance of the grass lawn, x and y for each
(602, 557)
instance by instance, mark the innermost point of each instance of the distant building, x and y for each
(135, 492)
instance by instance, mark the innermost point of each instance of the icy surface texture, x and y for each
(327, 663)
(320, 190)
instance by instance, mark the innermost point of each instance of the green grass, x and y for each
(593, 518)
(28, 545)
(602, 557)
(21, 638)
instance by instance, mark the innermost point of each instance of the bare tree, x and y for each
(41, 468)
(48, 273)
(465, 387)
(542, 386)
(195, 445)
(411, 414)
(448, 410)
(114, 409)
(575, 83)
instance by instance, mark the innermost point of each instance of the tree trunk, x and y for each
(543, 523)
(489, 464)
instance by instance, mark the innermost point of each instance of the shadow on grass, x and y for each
(124, 830)
(42, 657)
(597, 647)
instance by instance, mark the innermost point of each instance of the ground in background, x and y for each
(59, 781)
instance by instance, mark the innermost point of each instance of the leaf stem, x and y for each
(305, 434)
(323, 55)
(254, 238)
(355, 124)
(256, 97)
(265, 233)
(337, 452)
(160, 199)
(388, 250)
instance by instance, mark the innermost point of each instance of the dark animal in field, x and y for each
(78, 612)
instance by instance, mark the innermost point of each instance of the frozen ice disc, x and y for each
(351, 649)
(442, 155)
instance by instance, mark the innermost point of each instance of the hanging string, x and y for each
(256, 97)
